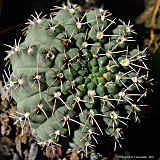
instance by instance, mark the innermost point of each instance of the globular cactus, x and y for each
(77, 76)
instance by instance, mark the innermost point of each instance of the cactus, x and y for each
(77, 76)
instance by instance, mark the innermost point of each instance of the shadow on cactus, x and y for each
(77, 77)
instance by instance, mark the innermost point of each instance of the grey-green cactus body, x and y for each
(74, 73)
